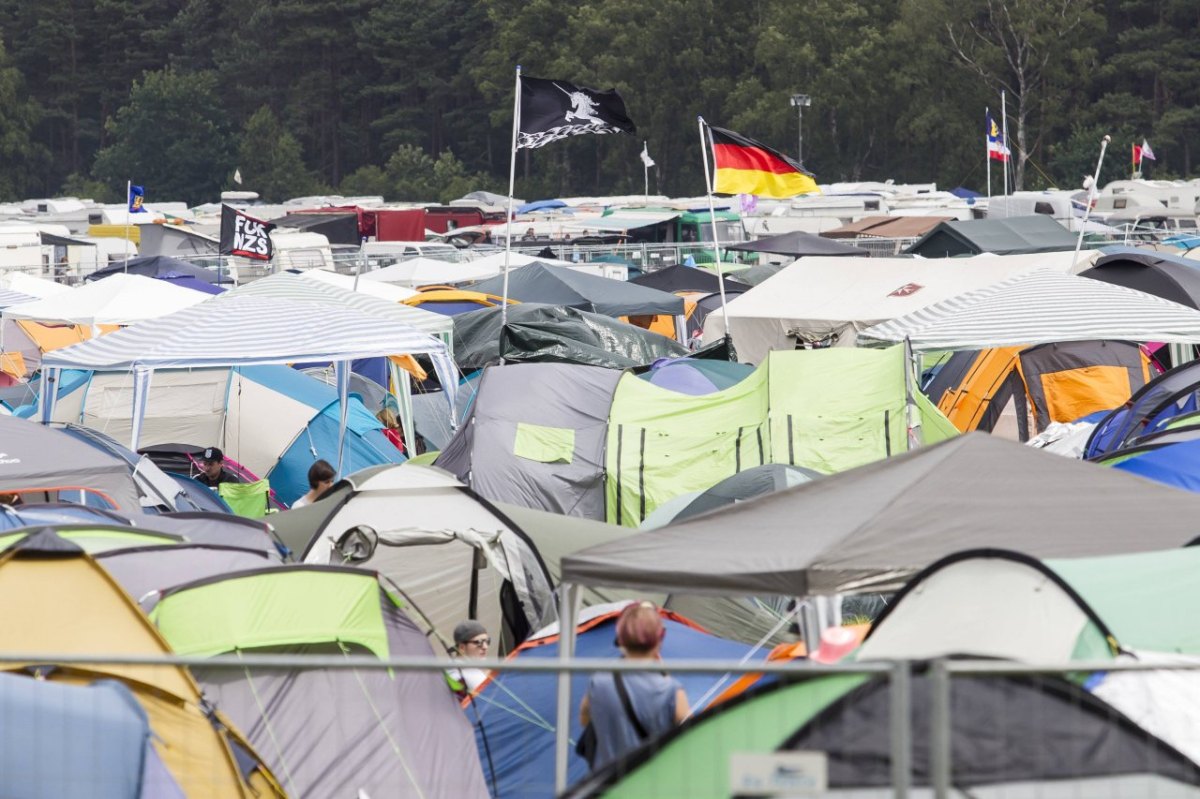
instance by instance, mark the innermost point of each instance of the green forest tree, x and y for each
(270, 160)
(172, 137)
(25, 159)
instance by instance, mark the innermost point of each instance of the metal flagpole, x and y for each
(987, 142)
(1087, 210)
(1004, 133)
(512, 179)
(646, 173)
(712, 212)
(128, 222)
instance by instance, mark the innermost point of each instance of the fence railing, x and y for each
(936, 703)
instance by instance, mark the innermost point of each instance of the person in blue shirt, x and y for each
(656, 701)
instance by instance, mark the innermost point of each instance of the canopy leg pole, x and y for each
(141, 394)
(342, 369)
(910, 401)
(568, 596)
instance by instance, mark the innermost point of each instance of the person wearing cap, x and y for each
(471, 642)
(653, 702)
(212, 468)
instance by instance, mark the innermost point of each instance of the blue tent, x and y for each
(515, 712)
(365, 443)
(1174, 465)
(69, 741)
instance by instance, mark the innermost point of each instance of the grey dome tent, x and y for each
(561, 285)
(449, 551)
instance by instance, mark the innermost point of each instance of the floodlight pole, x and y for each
(800, 101)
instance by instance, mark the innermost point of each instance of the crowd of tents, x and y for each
(994, 455)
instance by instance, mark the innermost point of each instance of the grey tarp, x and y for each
(145, 572)
(873, 526)
(354, 732)
(538, 333)
(798, 244)
(1011, 236)
(36, 458)
(160, 266)
(684, 278)
(496, 451)
(562, 285)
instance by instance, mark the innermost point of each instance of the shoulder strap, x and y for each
(628, 705)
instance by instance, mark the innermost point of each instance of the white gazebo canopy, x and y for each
(1037, 308)
(431, 272)
(388, 292)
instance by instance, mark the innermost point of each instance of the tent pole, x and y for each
(342, 370)
(512, 178)
(705, 149)
(1087, 208)
(141, 395)
(910, 402)
(568, 597)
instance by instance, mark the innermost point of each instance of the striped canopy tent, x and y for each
(1038, 308)
(316, 291)
(244, 331)
(9, 297)
(117, 300)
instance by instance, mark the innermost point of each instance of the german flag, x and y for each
(743, 166)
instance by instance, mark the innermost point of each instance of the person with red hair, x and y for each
(626, 709)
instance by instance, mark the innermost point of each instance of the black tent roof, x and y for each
(685, 278)
(1172, 278)
(561, 285)
(798, 245)
(1011, 236)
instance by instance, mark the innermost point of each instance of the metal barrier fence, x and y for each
(930, 708)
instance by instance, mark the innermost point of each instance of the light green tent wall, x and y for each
(837, 408)
(821, 409)
(662, 443)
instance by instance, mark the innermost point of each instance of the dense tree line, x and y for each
(413, 99)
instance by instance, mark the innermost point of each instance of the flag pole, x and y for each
(1004, 132)
(512, 178)
(712, 216)
(128, 222)
(1087, 210)
(646, 172)
(987, 140)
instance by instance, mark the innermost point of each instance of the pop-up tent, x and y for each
(245, 331)
(872, 527)
(1001, 730)
(455, 556)
(828, 301)
(798, 245)
(1039, 307)
(532, 332)
(1171, 277)
(72, 606)
(557, 285)
(119, 300)
(326, 732)
(1006, 236)
(373, 288)
(162, 267)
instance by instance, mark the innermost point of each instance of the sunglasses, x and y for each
(480, 641)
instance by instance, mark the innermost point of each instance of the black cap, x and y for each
(213, 454)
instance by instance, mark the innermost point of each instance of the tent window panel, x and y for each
(1077, 392)
(544, 444)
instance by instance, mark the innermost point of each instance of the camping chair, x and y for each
(251, 500)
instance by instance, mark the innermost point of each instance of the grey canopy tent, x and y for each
(1171, 277)
(42, 463)
(561, 285)
(872, 527)
(536, 332)
(798, 244)
(160, 266)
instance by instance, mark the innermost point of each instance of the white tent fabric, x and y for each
(117, 300)
(387, 292)
(822, 298)
(1038, 308)
(9, 297)
(496, 261)
(38, 287)
(430, 272)
(297, 288)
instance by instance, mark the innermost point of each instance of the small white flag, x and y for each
(646, 159)
(1146, 151)
(237, 176)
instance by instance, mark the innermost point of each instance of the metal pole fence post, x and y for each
(939, 730)
(900, 683)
